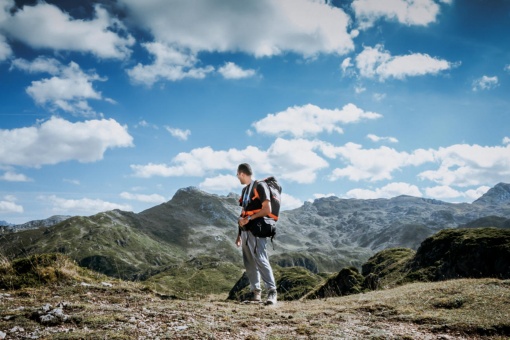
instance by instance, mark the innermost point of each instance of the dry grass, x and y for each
(457, 309)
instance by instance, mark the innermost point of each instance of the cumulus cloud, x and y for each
(261, 28)
(69, 88)
(231, 71)
(301, 166)
(200, 161)
(46, 26)
(280, 158)
(5, 49)
(41, 64)
(12, 176)
(464, 165)
(375, 138)
(82, 141)
(169, 63)
(221, 183)
(153, 198)
(485, 83)
(8, 205)
(178, 133)
(411, 13)
(447, 192)
(387, 191)
(309, 119)
(82, 206)
(290, 202)
(375, 164)
(375, 62)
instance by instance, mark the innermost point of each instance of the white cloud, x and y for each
(290, 202)
(221, 183)
(8, 205)
(68, 89)
(169, 63)
(309, 119)
(40, 64)
(388, 191)
(474, 194)
(507, 68)
(379, 96)
(376, 139)
(200, 161)
(346, 63)
(81, 206)
(5, 49)
(58, 140)
(300, 167)
(375, 62)
(375, 164)
(178, 133)
(485, 83)
(261, 28)
(506, 140)
(11, 176)
(154, 198)
(442, 192)
(407, 12)
(72, 181)
(359, 89)
(280, 158)
(465, 165)
(46, 26)
(447, 192)
(232, 71)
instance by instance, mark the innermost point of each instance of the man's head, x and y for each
(244, 173)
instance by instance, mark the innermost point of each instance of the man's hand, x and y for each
(243, 221)
(238, 241)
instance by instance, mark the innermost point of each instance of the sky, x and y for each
(118, 104)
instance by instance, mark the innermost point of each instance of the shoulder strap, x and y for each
(247, 194)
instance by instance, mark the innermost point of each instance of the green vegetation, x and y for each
(198, 277)
(457, 253)
(292, 283)
(43, 269)
(388, 266)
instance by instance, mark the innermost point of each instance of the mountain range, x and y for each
(196, 229)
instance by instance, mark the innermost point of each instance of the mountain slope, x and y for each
(324, 236)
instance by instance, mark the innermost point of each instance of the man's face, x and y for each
(242, 177)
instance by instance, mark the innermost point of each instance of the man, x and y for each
(255, 210)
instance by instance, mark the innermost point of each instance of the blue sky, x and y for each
(118, 104)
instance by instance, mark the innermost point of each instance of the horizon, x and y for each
(119, 104)
(227, 195)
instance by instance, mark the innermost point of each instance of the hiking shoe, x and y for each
(255, 296)
(271, 297)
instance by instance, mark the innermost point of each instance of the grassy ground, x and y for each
(456, 309)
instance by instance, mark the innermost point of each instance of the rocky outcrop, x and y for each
(462, 253)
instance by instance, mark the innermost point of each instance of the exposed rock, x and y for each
(49, 316)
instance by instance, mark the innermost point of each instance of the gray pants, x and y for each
(256, 261)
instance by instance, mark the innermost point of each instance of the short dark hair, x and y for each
(245, 168)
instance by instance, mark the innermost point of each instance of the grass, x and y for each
(464, 308)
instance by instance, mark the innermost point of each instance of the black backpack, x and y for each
(275, 191)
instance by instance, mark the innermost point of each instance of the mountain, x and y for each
(5, 224)
(48, 222)
(499, 194)
(197, 227)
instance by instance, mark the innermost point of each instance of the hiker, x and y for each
(255, 211)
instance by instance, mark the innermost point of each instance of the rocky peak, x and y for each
(499, 194)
